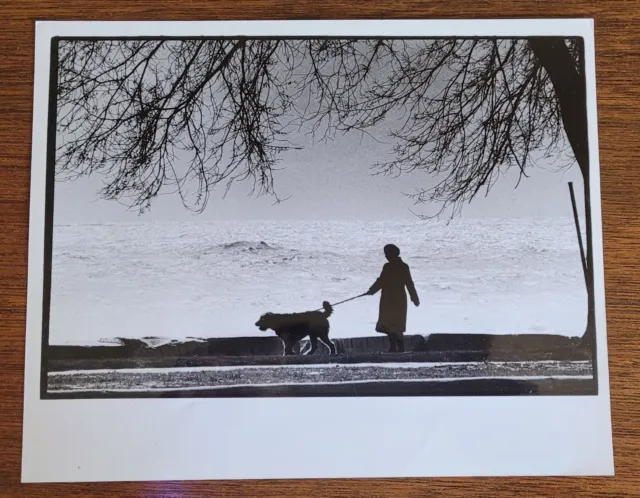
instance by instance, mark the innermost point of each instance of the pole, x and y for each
(585, 268)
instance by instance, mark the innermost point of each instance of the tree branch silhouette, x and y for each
(134, 110)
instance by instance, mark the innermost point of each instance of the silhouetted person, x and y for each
(394, 279)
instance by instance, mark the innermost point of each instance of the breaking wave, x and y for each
(244, 245)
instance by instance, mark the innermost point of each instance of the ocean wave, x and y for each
(149, 342)
(535, 249)
(244, 245)
(235, 247)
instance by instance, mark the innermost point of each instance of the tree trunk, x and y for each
(569, 82)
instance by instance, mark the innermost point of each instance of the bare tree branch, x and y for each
(190, 115)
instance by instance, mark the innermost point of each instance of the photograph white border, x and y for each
(249, 438)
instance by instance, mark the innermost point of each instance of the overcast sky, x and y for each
(331, 181)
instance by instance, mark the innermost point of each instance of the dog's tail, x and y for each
(328, 309)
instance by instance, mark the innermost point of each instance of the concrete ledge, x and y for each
(482, 345)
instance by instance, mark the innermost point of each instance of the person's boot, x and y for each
(393, 346)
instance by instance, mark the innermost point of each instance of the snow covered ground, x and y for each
(214, 279)
(151, 379)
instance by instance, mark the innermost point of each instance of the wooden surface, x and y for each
(618, 66)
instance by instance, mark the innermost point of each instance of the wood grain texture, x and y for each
(618, 67)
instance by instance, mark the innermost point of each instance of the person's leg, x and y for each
(400, 344)
(393, 344)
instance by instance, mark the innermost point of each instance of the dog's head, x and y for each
(266, 321)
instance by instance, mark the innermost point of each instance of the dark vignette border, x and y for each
(52, 119)
(460, 388)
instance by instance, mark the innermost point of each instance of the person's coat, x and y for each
(394, 282)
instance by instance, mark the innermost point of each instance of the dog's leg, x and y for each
(288, 347)
(313, 341)
(332, 347)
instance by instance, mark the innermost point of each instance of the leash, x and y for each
(345, 301)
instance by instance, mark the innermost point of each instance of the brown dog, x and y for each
(293, 327)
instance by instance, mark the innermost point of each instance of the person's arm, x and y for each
(377, 285)
(413, 294)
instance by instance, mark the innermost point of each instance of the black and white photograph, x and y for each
(320, 216)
